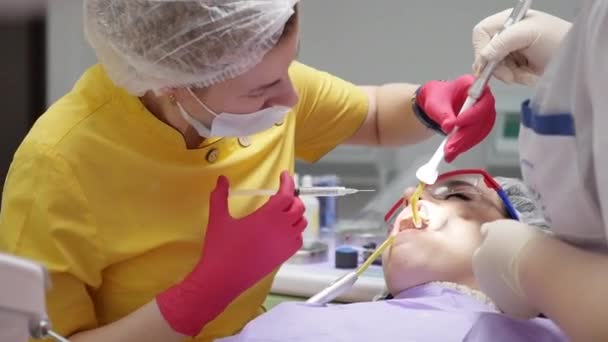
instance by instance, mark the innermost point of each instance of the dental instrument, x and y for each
(317, 191)
(346, 282)
(428, 172)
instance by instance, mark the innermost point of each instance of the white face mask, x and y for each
(234, 125)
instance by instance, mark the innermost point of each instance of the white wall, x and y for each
(396, 40)
(68, 54)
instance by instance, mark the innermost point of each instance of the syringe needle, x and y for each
(306, 191)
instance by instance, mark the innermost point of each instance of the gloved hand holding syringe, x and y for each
(428, 173)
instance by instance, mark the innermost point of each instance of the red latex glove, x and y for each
(237, 253)
(438, 105)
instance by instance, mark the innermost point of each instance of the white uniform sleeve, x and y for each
(597, 75)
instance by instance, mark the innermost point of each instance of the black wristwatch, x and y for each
(423, 117)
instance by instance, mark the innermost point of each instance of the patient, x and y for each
(428, 272)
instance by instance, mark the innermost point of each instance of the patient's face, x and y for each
(442, 250)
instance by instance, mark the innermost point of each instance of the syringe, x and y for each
(317, 191)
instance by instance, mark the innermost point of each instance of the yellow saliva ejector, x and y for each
(414, 204)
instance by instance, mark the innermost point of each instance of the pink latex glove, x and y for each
(237, 253)
(438, 104)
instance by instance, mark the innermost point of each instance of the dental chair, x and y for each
(22, 301)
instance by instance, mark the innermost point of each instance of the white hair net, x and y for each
(525, 201)
(156, 44)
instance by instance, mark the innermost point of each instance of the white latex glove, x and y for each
(496, 265)
(525, 46)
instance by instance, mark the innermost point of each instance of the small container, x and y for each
(346, 257)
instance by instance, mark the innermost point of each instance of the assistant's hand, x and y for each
(438, 104)
(237, 253)
(496, 264)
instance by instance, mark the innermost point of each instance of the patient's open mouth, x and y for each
(408, 222)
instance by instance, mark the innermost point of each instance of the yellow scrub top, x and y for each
(109, 199)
